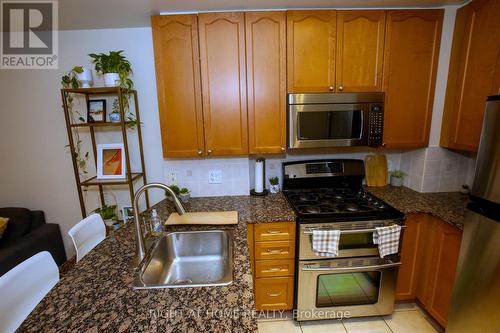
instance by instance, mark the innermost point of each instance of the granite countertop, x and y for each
(448, 206)
(97, 294)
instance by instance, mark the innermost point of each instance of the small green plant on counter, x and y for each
(174, 188)
(274, 180)
(107, 212)
(184, 190)
(397, 174)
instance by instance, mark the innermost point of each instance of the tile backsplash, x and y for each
(194, 174)
(435, 169)
(432, 169)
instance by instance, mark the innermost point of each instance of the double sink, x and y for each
(188, 259)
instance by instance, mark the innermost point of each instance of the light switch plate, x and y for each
(172, 178)
(215, 176)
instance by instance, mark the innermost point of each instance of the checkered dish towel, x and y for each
(325, 243)
(387, 239)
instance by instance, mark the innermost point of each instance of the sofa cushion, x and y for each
(3, 225)
(19, 222)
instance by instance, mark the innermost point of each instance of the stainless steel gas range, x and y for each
(328, 194)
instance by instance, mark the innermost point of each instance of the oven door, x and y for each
(356, 238)
(328, 125)
(341, 288)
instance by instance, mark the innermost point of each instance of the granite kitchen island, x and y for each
(97, 294)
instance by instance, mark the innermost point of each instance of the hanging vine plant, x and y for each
(69, 81)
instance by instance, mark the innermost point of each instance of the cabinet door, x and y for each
(446, 247)
(178, 84)
(471, 78)
(266, 75)
(223, 75)
(311, 50)
(360, 48)
(411, 253)
(410, 62)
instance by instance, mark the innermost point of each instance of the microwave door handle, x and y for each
(323, 269)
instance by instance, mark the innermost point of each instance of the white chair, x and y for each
(23, 287)
(87, 234)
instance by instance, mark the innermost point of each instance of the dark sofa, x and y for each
(26, 235)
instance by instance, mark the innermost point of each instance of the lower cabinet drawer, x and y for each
(275, 250)
(274, 267)
(275, 293)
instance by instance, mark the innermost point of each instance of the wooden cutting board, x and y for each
(376, 170)
(208, 218)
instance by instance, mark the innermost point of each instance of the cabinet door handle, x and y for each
(273, 294)
(200, 152)
(331, 88)
(283, 149)
(341, 88)
(209, 151)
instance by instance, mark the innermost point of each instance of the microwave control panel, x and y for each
(376, 125)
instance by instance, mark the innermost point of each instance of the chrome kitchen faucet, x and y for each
(140, 249)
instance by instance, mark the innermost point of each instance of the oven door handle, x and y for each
(352, 231)
(326, 269)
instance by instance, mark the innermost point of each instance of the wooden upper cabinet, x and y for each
(223, 74)
(311, 50)
(360, 50)
(178, 84)
(266, 81)
(410, 63)
(473, 74)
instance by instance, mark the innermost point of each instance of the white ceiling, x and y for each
(100, 14)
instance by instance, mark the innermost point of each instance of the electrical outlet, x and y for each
(172, 178)
(215, 176)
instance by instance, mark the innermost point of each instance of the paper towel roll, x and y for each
(259, 176)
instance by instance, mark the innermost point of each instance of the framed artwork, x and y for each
(110, 161)
(127, 213)
(96, 111)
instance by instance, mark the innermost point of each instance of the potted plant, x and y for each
(397, 177)
(174, 188)
(275, 184)
(115, 68)
(184, 195)
(108, 214)
(84, 76)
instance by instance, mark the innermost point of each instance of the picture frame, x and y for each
(127, 214)
(96, 111)
(111, 161)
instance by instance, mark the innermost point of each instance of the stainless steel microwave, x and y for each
(319, 120)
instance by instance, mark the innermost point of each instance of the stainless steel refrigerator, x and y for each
(475, 303)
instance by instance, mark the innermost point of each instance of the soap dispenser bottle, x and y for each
(156, 226)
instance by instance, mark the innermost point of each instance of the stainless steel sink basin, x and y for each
(188, 259)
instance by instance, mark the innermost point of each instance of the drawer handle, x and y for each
(274, 232)
(274, 251)
(273, 269)
(273, 294)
